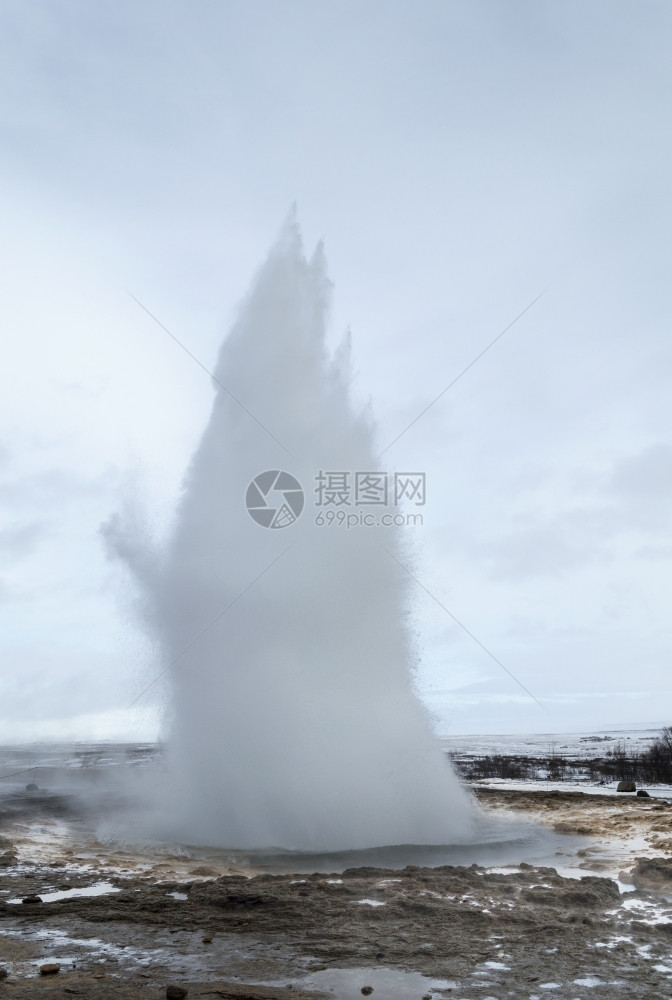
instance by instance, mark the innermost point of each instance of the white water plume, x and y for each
(294, 723)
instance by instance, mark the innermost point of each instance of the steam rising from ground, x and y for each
(294, 723)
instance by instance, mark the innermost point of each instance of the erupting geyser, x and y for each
(293, 721)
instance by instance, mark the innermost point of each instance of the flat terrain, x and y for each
(467, 932)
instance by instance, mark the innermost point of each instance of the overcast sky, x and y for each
(459, 159)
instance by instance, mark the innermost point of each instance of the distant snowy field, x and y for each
(569, 746)
(592, 743)
(40, 763)
(23, 758)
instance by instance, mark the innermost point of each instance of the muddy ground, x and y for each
(523, 932)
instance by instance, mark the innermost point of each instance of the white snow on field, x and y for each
(542, 785)
(99, 889)
(646, 911)
(569, 745)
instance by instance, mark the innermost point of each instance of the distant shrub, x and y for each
(620, 766)
(556, 768)
(652, 766)
(512, 768)
(656, 762)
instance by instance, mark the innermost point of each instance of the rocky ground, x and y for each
(467, 932)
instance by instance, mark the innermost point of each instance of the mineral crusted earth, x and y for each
(229, 931)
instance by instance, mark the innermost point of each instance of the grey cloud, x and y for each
(51, 486)
(20, 540)
(545, 549)
(633, 497)
(642, 485)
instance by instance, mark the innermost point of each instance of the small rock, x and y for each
(642, 794)
(207, 939)
(8, 858)
(367, 990)
(32, 787)
(175, 993)
(50, 969)
(3, 973)
(32, 899)
(626, 786)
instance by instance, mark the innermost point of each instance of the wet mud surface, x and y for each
(622, 827)
(467, 932)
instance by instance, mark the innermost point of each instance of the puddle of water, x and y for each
(99, 889)
(392, 984)
(178, 895)
(371, 902)
(497, 841)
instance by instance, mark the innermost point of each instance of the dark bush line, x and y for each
(651, 766)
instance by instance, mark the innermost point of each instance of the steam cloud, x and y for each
(294, 723)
